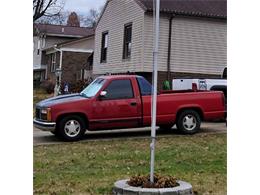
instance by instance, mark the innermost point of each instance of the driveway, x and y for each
(45, 138)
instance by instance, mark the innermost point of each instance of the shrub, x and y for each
(166, 85)
(48, 86)
(159, 181)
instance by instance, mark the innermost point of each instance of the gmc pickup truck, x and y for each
(124, 101)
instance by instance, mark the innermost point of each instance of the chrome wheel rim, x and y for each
(72, 128)
(189, 122)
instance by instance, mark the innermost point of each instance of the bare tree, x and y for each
(46, 8)
(91, 19)
(59, 19)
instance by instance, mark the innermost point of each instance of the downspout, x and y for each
(169, 49)
(61, 52)
(58, 85)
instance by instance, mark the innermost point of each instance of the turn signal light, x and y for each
(48, 114)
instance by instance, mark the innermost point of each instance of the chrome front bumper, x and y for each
(45, 126)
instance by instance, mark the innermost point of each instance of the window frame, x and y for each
(38, 47)
(80, 74)
(53, 62)
(104, 42)
(126, 53)
(142, 87)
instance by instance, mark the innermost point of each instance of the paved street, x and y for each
(44, 138)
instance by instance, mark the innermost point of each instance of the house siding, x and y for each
(51, 41)
(36, 57)
(198, 46)
(149, 43)
(116, 15)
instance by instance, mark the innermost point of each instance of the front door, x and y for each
(119, 108)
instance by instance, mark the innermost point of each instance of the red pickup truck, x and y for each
(124, 101)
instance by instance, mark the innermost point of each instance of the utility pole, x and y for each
(154, 97)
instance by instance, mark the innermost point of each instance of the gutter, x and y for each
(60, 66)
(169, 48)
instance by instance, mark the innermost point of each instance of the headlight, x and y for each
(44, 111)
(46, 114)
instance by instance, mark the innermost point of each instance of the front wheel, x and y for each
(188, 122)
(72, 128)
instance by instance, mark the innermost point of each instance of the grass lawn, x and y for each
(92, 167)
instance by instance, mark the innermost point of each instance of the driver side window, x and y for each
(119, 89)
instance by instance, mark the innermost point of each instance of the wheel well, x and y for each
(222, 88)
(82, 115)
(198, 110)
(218, 87)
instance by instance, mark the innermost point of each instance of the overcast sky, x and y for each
(83, 6)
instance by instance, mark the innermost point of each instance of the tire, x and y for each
(71, 128)
(188, 122)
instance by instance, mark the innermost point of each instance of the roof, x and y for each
(64, 31)
(75, 40)
(121, 76)
(202, 8)
(59, 45)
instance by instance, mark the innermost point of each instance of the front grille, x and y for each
(37, 113)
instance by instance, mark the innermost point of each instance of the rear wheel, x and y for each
(188, 122)
(71, 128)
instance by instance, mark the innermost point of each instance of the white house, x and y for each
(192, 40)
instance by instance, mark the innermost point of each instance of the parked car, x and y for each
(124, 101)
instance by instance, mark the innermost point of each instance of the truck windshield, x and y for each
(92, 89)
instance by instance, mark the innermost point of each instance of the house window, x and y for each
(127, 41)
(104, 47)
(53, 62)
(38, 47)
(80, 75)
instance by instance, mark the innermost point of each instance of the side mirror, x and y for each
(102, 94)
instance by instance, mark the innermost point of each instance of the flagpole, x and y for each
(154, 97)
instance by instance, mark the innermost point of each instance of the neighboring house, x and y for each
(73, 58)
(192, 40)
(46, 36)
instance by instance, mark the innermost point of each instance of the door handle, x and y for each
(133, 103)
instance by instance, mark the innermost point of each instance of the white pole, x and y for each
(154, 98)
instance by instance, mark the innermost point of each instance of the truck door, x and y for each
(119, 108)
